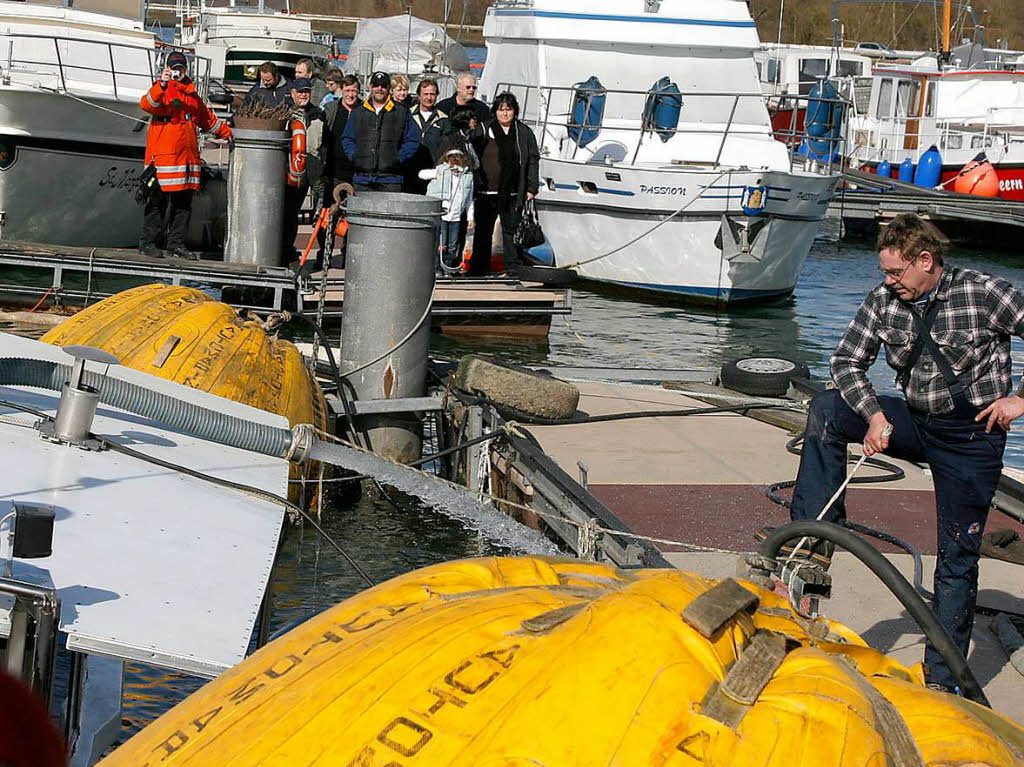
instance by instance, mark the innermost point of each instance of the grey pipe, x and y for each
(256, 184)
(175, 413)
(389, 280)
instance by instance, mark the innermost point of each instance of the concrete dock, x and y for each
(702, 480)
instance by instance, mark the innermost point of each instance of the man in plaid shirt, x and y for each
(957, 408)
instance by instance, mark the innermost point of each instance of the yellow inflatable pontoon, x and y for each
(183, 335)
(528, 662)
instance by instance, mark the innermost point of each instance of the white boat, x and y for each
(710, 206)
(902, 110)
(72, 135)
(237, 36)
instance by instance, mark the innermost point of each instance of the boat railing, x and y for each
(85, 67)
(549, 110)
(894, 138)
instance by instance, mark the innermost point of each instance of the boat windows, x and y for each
(772, 71)
(903, 98)
(862, 95)
(929, 100)
(662, 109)
(884, 97)
(810, 71)
(587, 111)
(848, 68)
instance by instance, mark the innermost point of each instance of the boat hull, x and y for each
(69, 172)
(712, 251)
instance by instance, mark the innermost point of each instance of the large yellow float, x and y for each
(517, 662)
(183, 335)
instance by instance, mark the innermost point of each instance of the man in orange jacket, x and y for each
(172, 149)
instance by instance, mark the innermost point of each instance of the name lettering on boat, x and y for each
(1008, 184)
(120, 178)
(672, 190)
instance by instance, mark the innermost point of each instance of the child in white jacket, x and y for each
(452, 182)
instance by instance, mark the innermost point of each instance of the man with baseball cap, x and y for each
(172, 157)
(305, 161)
(379, 138)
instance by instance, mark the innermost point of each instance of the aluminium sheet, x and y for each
(150, 564)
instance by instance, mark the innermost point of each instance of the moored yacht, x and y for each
(899, 112)
(72, 135)
(658, 165)
(237, 36)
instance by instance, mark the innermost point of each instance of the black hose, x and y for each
(176, 414)
(894, 581)
(895, 473)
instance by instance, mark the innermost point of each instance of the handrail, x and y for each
(62, 69)
(546, 117)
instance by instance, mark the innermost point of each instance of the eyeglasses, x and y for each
(897, 274)
(469, 87)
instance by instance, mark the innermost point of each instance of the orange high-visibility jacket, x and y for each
(172, 145)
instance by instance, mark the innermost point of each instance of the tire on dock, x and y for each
(516, 390)
(761, 376)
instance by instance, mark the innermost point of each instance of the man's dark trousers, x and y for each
(165, 217)
(378, 186)
(966, 464)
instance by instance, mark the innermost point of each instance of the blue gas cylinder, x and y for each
(907, 171)
(929, 168)
(884, 169)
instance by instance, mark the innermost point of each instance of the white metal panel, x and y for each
(150, 564)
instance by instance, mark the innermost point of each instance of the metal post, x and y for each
(60, 66)
(389, 278)
(408, 40)
(256, 184)
(728, 125)
(113, 72)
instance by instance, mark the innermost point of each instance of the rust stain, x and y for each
(389, 381)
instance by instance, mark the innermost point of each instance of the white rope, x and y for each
(653, 229)
(856, 467)
(60, 92)
(483, 470)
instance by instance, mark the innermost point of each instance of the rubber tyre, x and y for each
(517, 389)
(761, 376)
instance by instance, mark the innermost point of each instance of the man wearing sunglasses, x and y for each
(946, 333)
(465, 96)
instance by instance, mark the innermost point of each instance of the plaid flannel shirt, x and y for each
(975, 319)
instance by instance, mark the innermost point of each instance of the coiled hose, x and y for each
(894, 581)
(177, 414)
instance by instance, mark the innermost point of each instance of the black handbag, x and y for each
(147, 181)
(528, 233)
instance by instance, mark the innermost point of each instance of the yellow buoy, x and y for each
(183, 335)
(513, 662)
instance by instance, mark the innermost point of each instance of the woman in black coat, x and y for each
(508, 176)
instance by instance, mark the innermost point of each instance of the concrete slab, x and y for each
(862, 603)
(707, 449)
(703, 479)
